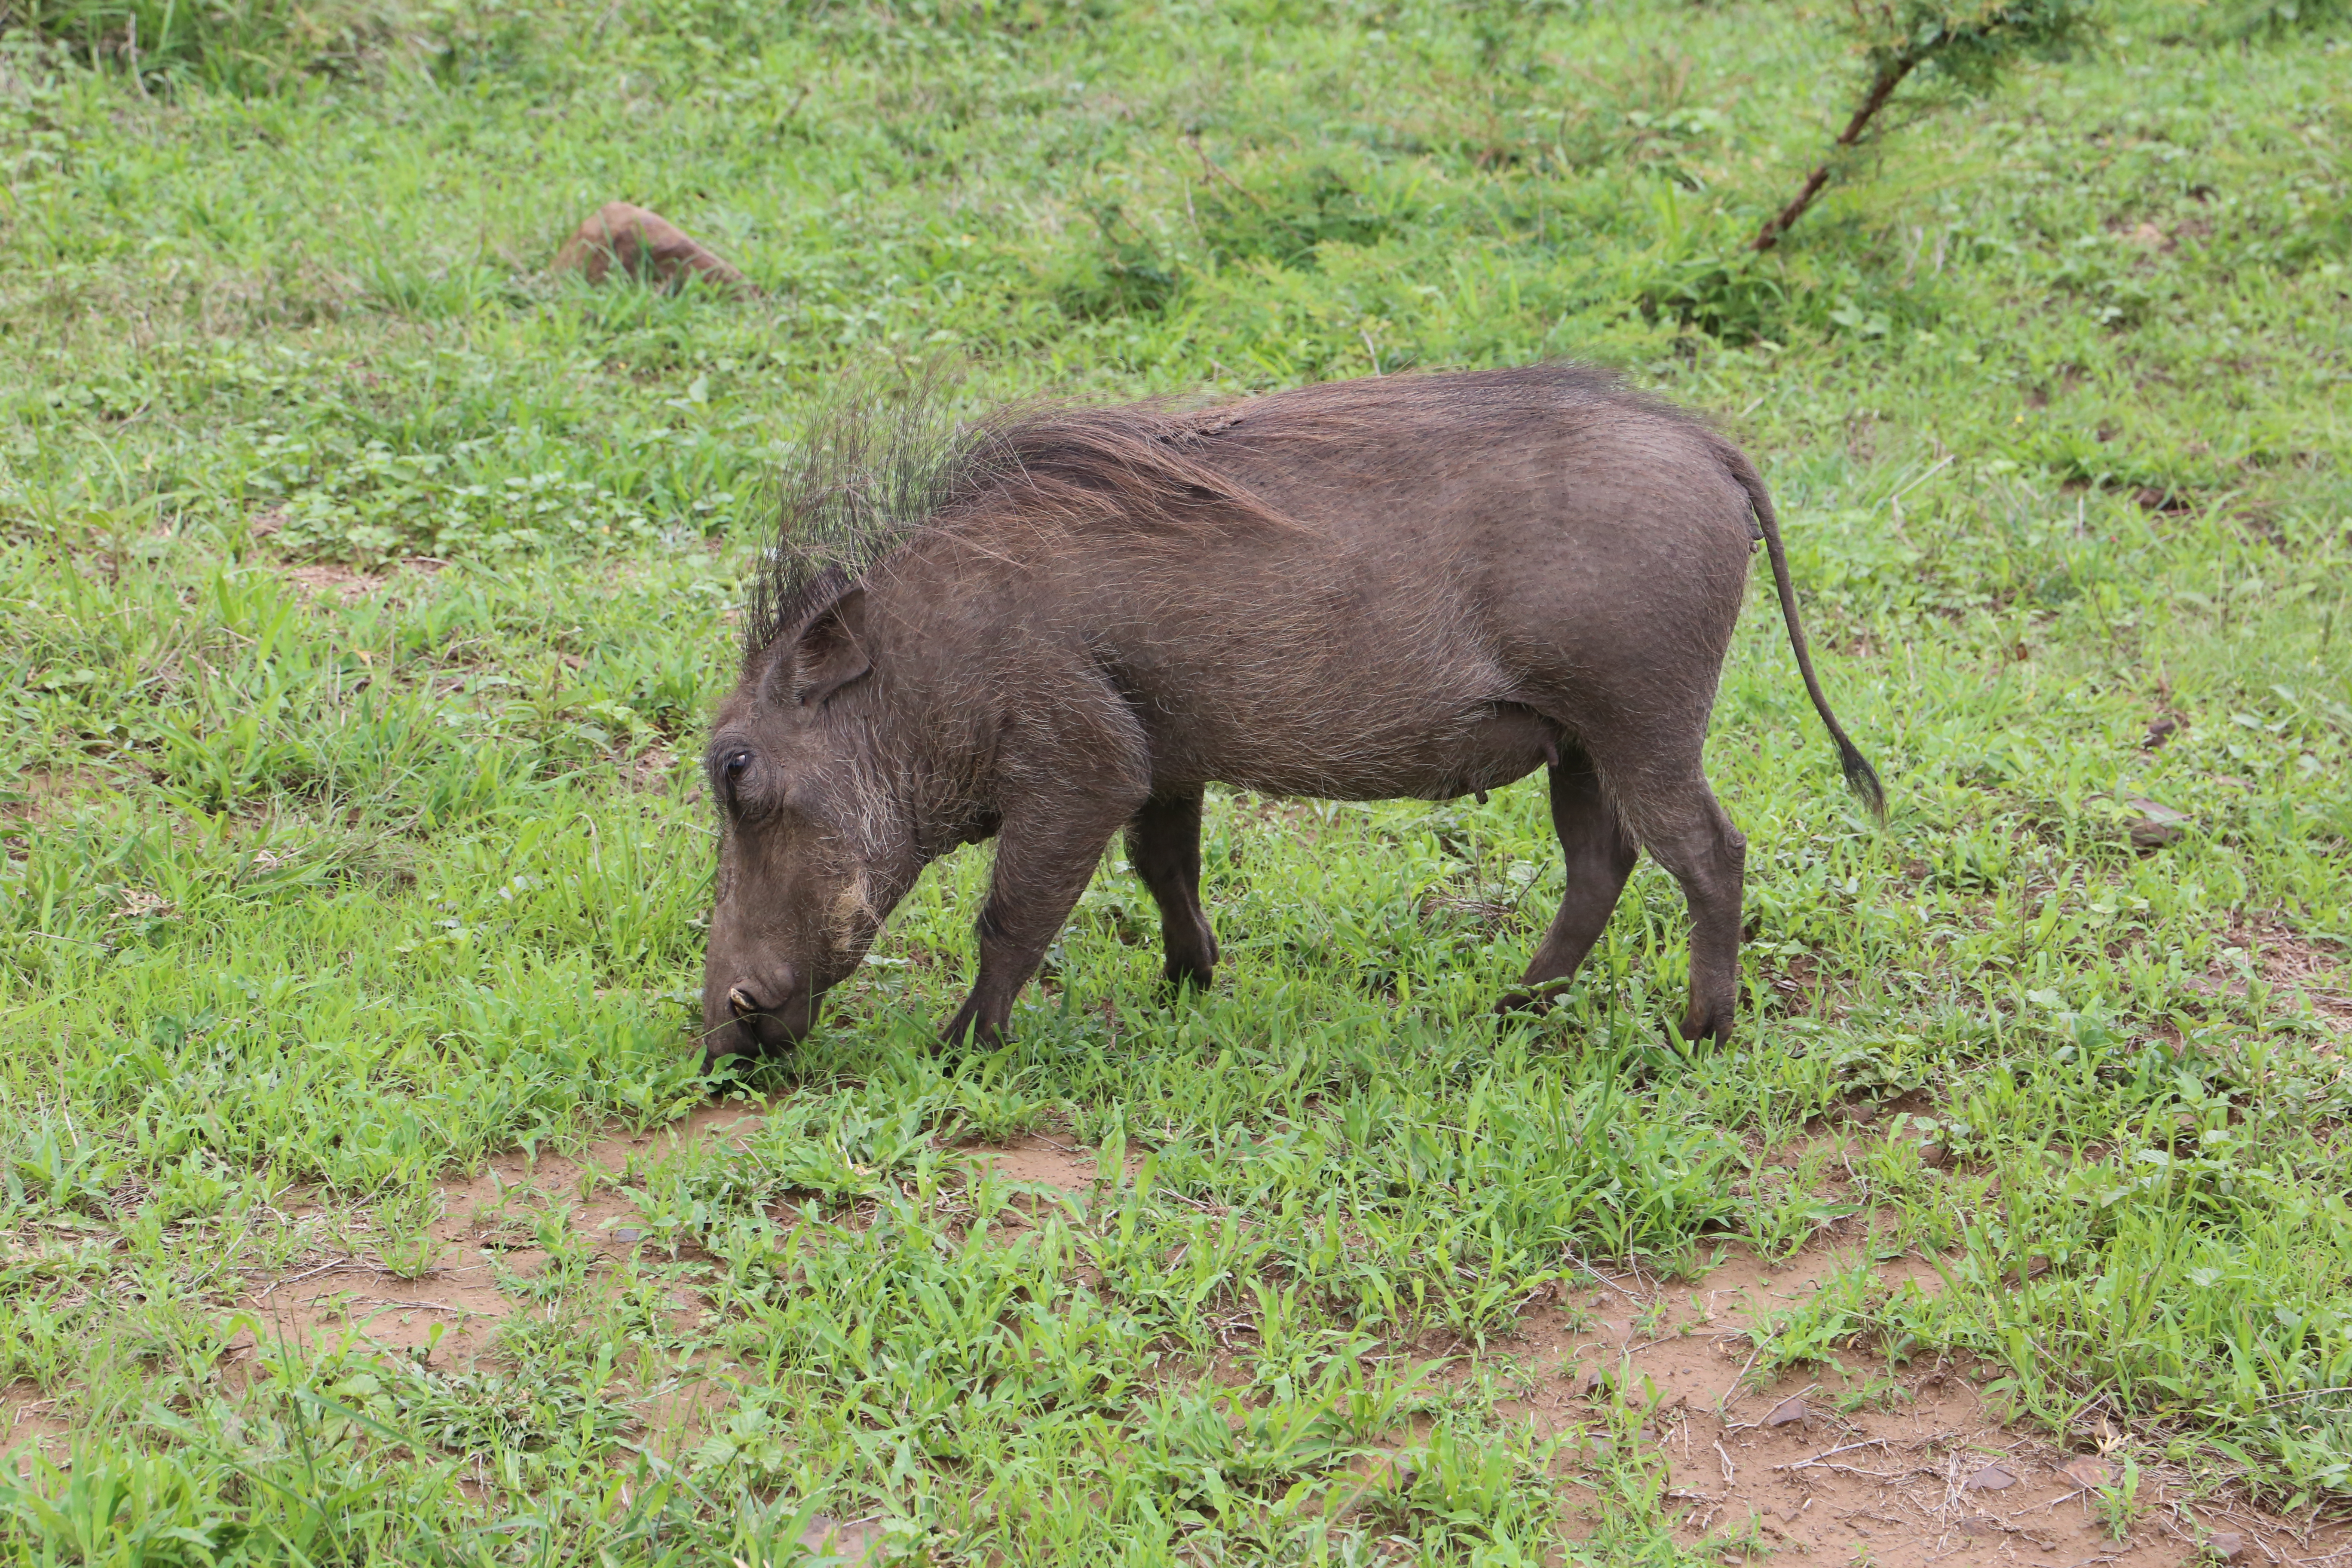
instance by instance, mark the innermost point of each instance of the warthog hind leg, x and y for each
(1690, 835)
(1164, 843)
(1599, 854)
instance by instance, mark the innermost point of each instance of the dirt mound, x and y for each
(643, 244)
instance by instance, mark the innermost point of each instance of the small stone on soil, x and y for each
(2158, 826)
(2088, 1471)
(1991, 1479)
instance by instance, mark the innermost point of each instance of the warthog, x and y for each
(1061, 624)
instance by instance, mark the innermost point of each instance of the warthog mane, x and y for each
(873, 478)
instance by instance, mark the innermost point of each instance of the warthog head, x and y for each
(814, 850)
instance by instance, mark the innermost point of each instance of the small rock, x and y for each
(1991, 1479)
(2090, 1471)
(1980, 1524)
(1787, 1413)
(644, 245)
(2158, 824)
(2227, 1545)
(628, 1233)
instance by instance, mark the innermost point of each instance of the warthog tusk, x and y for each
(740, 1000)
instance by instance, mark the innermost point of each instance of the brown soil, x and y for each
(1040, 1160)
(2303, 972)
(629, 241)
(850, 1543)
(1853, 1462)
(653, 768)
(342, 582)
(359, 1301)
(30, 1426)
(345, 583)
(2144, 235)
(40, 795)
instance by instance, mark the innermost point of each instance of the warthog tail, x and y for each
(1859, 774)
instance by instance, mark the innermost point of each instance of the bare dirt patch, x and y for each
(329, 580)
(455, 1303)
(850, 1542)
(652, 769)
(1852, 1461)
(1808, 990)
(2144, 234)
(39, 795)
(1039, 1159)
(30, 1426)
(2309, 973)
(490, 1226)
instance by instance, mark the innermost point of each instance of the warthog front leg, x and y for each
(1045, 852)
(1163, 843)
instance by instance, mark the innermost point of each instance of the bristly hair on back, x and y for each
(869, 474)
(874, 475)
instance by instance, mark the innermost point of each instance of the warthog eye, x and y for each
(727, 769)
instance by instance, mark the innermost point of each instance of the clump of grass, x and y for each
(238, 46)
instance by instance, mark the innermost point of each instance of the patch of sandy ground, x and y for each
(1843, 1463)
(483, 1217)
(2301, 971)
(1851, 1463)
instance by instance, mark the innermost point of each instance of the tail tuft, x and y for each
(1862, 778)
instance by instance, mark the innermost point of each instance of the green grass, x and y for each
(308, 900)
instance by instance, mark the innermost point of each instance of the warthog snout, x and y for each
(758, 1017)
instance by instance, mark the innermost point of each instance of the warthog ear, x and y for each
(830, 652)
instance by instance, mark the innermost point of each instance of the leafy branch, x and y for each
(1966, 44)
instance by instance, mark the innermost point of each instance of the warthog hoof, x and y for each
(1526, 1004)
